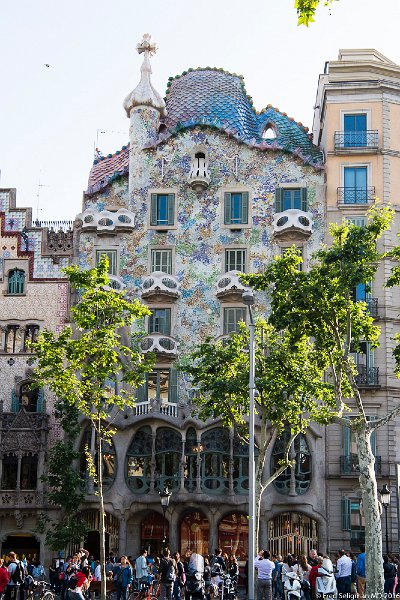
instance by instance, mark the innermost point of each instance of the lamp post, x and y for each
(165, 495)
(385, 501)
(248, 300)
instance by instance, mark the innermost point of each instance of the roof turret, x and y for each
(144, 93)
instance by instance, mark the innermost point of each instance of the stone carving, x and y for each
(19, 519)
(107, 221)
(59, 242)
(162, 284)
(293, 220)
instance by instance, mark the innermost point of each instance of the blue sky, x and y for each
(50, 116)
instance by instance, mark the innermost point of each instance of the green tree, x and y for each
(93, 370)
(320, 303)
(288, 379)
(306, 10)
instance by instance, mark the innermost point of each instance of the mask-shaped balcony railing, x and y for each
(160, 344)
(160, 284)
(229, 286)
(294, 220)
(106, 221)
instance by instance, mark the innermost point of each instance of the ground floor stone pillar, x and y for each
(122, 549)
(174, 533)
(213, 518)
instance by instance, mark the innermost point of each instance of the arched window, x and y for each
(16, 282)
(191, 455)
(29, 467)
(138, 461)
(30, 399)
(269, 132)
(240, 466)
(297, 479)
(168, 458)
(31, 333)
(215, 461)
(10, 470)
(109, 457)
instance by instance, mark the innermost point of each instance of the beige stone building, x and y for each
(357, 126)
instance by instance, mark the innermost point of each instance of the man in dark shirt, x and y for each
(167, 576)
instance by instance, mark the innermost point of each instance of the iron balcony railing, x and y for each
(349, 465)
(367, 376)
(357, 537)
(356, 139)
(351, 195)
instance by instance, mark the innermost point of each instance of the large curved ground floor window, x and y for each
(292, 533)
(233, 532)
(194, 533)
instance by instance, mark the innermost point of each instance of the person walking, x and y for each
(180, 577)
(389, 573)
(141, 569)
(4, 578)
(167, 576)
(264, 567)
(123, 577)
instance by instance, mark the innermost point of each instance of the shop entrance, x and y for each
(292, 533)
(194, 532)
(25, 546)
(152, 532)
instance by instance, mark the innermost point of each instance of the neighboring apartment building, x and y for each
(357, 126)
(34, 295)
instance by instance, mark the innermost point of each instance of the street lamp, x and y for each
(165, 495)
(248, 300)
(385, 501)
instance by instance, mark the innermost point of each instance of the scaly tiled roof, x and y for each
(214, 98)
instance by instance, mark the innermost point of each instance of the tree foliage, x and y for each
(306, 10)
(288, 379)
(91, 370)
(320, 303)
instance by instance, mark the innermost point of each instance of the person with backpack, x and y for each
(180, 578)
(16, 572)
(38, 571)
(389, 573)
(167, 576)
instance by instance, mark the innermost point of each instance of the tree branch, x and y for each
(382, 421)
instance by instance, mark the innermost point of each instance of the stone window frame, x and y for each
(111, 248)
(162, 305)
(21, 326)
(228, 247)
(163, 190)
(239, 188)
(10, 264)
(228, 305)
(156, 247)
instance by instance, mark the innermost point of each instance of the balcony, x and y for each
(349, 465)
(229, 287)
(356, 141)
(26, 499)
(357, 538)
(160, 286)
(167, 409)
(292, 221)
(162, 345)
(107, 221)
(348, 195)
(367, 376)
(199, 177)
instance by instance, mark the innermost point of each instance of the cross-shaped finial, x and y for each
(146, 46)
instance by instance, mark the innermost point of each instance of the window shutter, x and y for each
(346, 440)
(173, 386)
(40, 401)
(373, 436)
(14, 402)
(167, 321)
(245, 207)
(346, 526)
(142, 392)
(171, 207)
(153, 210)
(278, 200)
(304, 206)
(227, 208)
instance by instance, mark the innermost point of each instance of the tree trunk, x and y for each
(372, 512)
(101, 520)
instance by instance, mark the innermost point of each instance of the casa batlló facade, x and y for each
(206, 188)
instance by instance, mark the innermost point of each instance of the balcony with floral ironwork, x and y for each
(351, 195)
(356, 141)
(349, 465)
(367, 376)
(160, 286)
(372, 306)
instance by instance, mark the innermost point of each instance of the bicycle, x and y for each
(39, 590)
(144, 591)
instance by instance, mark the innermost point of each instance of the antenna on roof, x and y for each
(40, 185)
